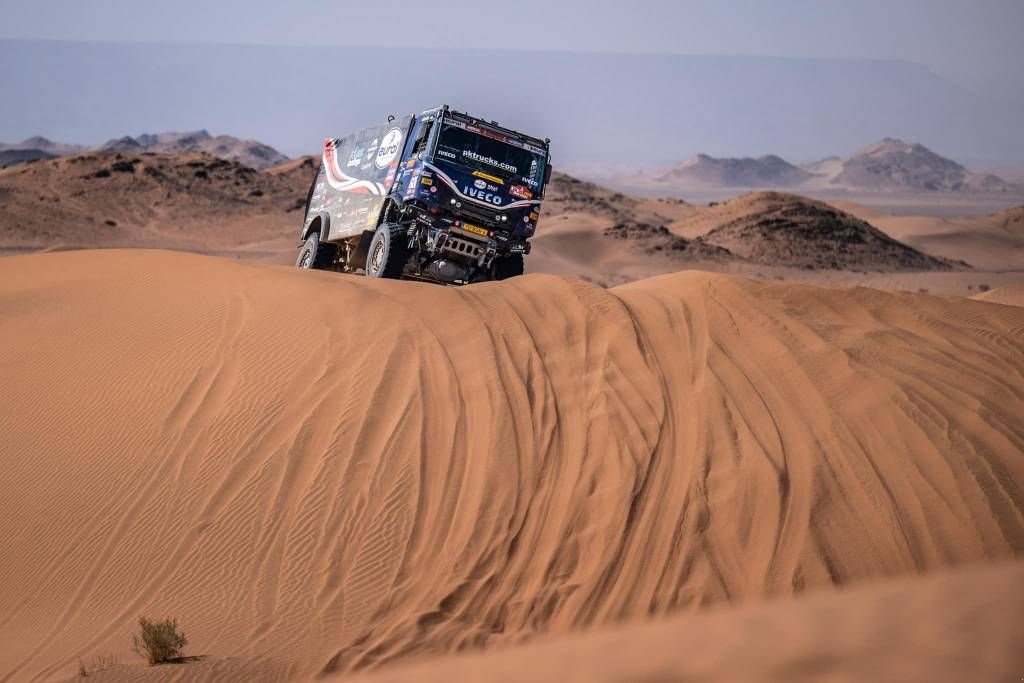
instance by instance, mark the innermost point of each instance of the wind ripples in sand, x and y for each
(320, 474)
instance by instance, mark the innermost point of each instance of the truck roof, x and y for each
(495, 126)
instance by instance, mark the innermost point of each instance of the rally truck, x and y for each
(440, 196)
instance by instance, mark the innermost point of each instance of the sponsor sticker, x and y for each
(486, 176)
(426, 181)
(480, 184)
(355, 157)
(520, 191)
(490, 161)
(389, 148)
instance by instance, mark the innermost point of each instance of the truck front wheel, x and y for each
(315, 254)
(508, 266)
(388, 252)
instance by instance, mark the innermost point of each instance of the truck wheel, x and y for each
(317, 255)
(508, 266)
(388, 252)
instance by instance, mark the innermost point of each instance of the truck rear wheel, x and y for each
(508, 266)
(388, 252)
(316, 254)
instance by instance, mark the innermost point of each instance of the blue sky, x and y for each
(976, 43)
(650, 80)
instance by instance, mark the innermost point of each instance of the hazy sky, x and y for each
(977, 43)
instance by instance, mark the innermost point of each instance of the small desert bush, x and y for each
(159, 641)
(984, 288)
(98, 663)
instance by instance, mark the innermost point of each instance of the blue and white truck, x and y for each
(439, 196)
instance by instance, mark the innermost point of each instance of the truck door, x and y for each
(416, 147)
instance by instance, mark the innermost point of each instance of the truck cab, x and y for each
(439, 196)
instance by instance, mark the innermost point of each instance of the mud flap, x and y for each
(358, 256)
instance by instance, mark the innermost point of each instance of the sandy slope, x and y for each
(1011, 295)
(994, 241)
(318, 473)
(962, 627)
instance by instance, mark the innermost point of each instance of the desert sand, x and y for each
(1011, 295)
(320, 474)
(950, 628)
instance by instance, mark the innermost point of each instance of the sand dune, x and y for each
(318, 474)
(961, 627)
(994, 241)
(1011, 295)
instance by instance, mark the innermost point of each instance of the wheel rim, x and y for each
(377, 257)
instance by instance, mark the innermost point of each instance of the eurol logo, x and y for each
(481, 194)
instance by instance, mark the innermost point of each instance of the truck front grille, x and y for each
(478, 215)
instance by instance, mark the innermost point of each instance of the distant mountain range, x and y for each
(766, 171)
(33, 148)
(895, 165)
(890, 165)
(246, 152)
(887, 166)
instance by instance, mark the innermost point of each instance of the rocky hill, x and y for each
(249, 153)
(13, 157)
(887, 166)
(192, 201)
(706, 171)
(33, 148)
(779, 229)
(895, 165)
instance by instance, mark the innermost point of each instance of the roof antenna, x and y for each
(391, 117)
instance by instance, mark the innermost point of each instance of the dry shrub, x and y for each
(159, 641)
(98, 663)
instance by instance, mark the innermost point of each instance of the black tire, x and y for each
(315, 254)
(388, 252)
(508, 266)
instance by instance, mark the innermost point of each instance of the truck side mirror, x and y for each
(547, 172)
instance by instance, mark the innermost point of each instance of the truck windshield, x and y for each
(491, 152)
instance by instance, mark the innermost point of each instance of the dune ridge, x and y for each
(957, 626)
(321, 474)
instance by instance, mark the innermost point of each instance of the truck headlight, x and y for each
(504, 218)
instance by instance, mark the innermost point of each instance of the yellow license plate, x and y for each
(475, 230)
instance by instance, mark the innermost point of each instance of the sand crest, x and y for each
(318, 473)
